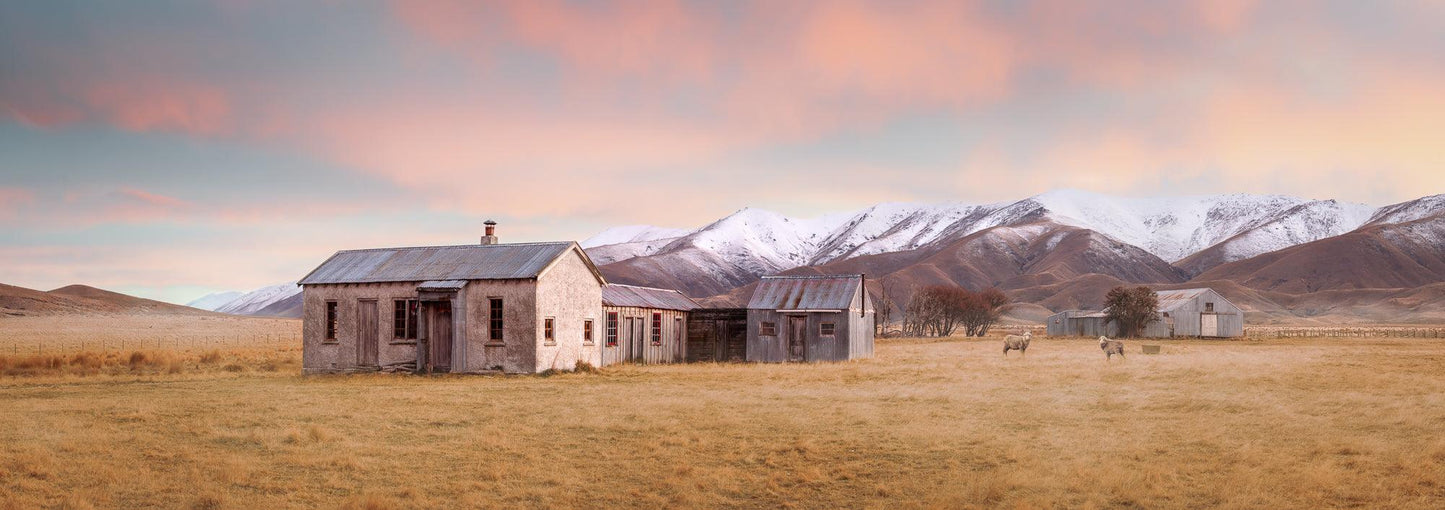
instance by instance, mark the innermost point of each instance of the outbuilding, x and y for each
(644, 324)
(809, 319)
(513, 308)
(1201, 313)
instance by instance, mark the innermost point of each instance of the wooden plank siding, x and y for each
(672, 348)
(719, 335)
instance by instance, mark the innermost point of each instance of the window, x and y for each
(330, 320)
(494, 329)
(612, 329)
(825, 329)
(403, 319)
(656, 328)
(768, 329)
(677, 330)
(548, 332)
(587, 331)
(1208, 307)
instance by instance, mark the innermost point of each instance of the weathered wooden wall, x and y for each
(717, 334)
(673, 347)
(852, 338)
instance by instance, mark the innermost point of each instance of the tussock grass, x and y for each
(953, 424)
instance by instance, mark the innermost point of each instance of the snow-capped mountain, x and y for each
(632, 234)
(214, 300)
(1194, 233)
(254, 301)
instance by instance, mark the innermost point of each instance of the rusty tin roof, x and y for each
(646, 297)
(435, 263)
(833, 292)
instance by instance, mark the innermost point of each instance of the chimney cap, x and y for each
(489, 222)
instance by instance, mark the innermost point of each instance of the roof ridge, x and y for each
(642, 287)
(813, 277)
(539, 243)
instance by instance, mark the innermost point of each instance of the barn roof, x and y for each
(834, 292)
(1172, 299)
(646, 297)
(441, 263)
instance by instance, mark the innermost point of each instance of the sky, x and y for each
(171, 149)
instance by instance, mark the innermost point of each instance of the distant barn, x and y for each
(644, 324)
(1182, 313)
(810, 318)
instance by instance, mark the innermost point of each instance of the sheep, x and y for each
(1017, 343)
(1111, 347)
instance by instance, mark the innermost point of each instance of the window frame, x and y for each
(496, 319)
(333, 321)
(767, 328)
(1208, 307)
(587, 332)
(827, 329)
(549, 331)
(611, 339)
(410, 320)
(656, 328)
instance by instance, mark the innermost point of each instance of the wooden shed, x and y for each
(1201, 313)
(809, 319)
(717, 334)
(644, 324)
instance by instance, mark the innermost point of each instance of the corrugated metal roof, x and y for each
(465, 262)
(442, 285)
(1171, 299)
(646, 297)
(833, 292)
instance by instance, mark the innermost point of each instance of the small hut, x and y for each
(644, 324)
(810, 318)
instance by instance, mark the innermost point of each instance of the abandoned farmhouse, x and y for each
(1182, 313)
(531, 307)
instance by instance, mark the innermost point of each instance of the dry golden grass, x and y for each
(1275, 424)
(63, 334)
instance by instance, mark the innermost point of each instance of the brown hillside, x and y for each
(1394, 256)
(82, 299)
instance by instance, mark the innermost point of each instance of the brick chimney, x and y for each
(491, 236)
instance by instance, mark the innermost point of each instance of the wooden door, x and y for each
(639, 339)
(366, 337)
(629, 339)
(797, 339)
(441, 338)
(1208, 325)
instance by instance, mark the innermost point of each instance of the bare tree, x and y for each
(935, 310)
(982, 310)
(884, 308)
(1133, 309)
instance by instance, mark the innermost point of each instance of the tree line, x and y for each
(940, 310)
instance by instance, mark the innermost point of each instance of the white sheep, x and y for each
(1111, 347)
(1017, 343)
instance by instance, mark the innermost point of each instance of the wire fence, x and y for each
(158, 343)
(1344, 332)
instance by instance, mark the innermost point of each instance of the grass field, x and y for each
(1280, 423)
